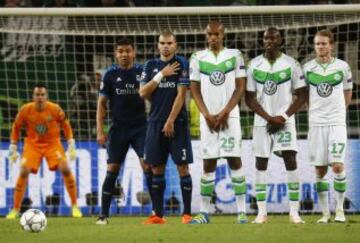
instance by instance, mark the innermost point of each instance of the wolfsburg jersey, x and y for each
(327, 83)
(274, 84)
(217, 76)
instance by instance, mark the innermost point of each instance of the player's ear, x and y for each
(332, 46)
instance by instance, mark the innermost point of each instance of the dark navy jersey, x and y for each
(121, 87)
(163, 97)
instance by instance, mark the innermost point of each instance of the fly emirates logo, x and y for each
(164, 84)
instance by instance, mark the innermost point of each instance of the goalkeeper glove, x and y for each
(13, 153)
(71, 151)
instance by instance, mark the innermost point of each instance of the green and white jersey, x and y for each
(327, 83)
(274, 84)
(217, 75)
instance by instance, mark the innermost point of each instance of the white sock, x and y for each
(340, 187)
(293, 192)
(239, 187)
(323, 195)
(260, 181)
(207, 185)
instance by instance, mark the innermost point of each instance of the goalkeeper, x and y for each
(43, 121)
(273, 77)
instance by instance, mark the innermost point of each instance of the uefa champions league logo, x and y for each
(324, 89)
(217, 78)
(270, 87)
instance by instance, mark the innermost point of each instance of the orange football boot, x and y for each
(186, 218)
(154, 219)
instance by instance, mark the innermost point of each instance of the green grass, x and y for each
(222, 229)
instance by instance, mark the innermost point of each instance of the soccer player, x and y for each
(120, 86)
(218, 80)
(164, 82)
(330, 84)
(273, 77)
(43, 121)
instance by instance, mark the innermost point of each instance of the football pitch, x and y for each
(222, 229)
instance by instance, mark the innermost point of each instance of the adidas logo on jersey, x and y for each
(118, 79)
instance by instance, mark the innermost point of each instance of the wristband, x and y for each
(158, 77)
(285, 116)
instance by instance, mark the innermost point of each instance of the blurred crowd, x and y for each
(149, 3)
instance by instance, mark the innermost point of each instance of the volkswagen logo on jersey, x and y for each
(324, 89)
(270, 87)
(217, 78)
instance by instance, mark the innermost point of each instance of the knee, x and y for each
(146, 167)
(114, 168)
(234, 163)
(290, 161)
(337, 168)
(321, 172)
(209, 165)
(24, 172)
(261, 163)
(65, 171)
(183, 170)
(158, 169)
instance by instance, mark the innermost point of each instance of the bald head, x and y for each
(215, 35)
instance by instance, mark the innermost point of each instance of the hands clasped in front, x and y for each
(218, 122)
(275, 124)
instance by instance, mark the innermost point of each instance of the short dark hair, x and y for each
(273, 29)
(125, 41)
(40, 85)
(168, 33)
(326, 33)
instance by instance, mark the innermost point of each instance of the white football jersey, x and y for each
(327, 83)
(217, 75)
(274, 84)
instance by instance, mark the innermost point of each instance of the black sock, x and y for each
(148, 179)
(186, 191)
(158, 188)
(107, 192)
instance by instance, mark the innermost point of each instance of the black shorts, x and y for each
(121, 137)
(158, 147)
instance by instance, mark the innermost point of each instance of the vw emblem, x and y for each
(270, 87)
(217, 78)
(324, 89)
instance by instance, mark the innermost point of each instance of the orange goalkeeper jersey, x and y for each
(42, 127)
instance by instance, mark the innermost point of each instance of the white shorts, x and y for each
(226, 143)
(327, 145)
(264, 144)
